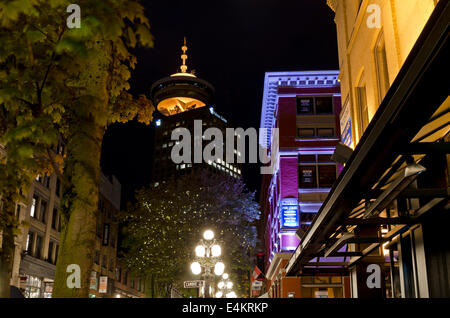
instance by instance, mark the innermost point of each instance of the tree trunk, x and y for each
(82, 172)
(7, 248)
(79, 209)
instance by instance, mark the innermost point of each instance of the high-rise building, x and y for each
(304, 106)
(185, 101)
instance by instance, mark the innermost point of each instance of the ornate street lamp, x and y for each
(207, 254)
(225, 288)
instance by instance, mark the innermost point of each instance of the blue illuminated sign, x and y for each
(289, 213)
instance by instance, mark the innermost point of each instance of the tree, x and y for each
(69, 83)
(165, 224)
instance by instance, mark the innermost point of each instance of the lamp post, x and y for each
(225, 288)
(207, 254)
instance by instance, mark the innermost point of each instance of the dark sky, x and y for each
(231, 44)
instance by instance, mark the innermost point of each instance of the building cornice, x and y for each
(297, 79)
(332, 4)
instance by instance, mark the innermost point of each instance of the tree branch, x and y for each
(55, 167)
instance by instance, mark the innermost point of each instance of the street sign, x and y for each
(193, 283)
(257, 283)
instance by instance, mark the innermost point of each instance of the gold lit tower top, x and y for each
(184, 57)
(183, 66)
(181, 91)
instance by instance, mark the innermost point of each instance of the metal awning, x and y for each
(399, 129)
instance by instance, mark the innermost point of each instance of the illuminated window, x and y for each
(304, 105)
(33, 206)
(382, 67)
(307, 177)
(362, 108)
(29, 244)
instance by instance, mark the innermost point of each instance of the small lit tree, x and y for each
(164, 226)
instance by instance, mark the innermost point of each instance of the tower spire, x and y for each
(184, 56)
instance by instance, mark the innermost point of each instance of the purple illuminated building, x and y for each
(305, 107)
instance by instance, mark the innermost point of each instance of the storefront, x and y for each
(390, 203)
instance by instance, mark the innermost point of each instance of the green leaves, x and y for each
(68, 45)
(35, 36)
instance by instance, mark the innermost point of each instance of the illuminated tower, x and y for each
(181, 91)
(180, 99)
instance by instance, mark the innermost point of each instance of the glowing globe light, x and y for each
(219, 268)
(200, 251)
(225, 276)
(229, 285)
(216, 250)
(219, 294)
(231, 295)
(196, 268)
(208, 235)
(221, 285)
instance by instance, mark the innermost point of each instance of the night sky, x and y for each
(231, 44)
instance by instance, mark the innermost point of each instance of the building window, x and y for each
(125, 278)
(307, 177)
(118, 274)
(105, 234)
(46, 182)
(104, 261)
(307, 158)
(316, 171)
(50, 252)
(58, 187)
(314, 105)
(97, 257)
(324, 158)
(363, 111)
(132, 283)
(324, 105)
(305, 132)
(381, 67)
(325, 132)
(111, 265)
(42, 214)
(34, 202)
(99, 226)
(305, 105)
(29, 245)
(38, 248)
(327, 175)
(55, 219)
